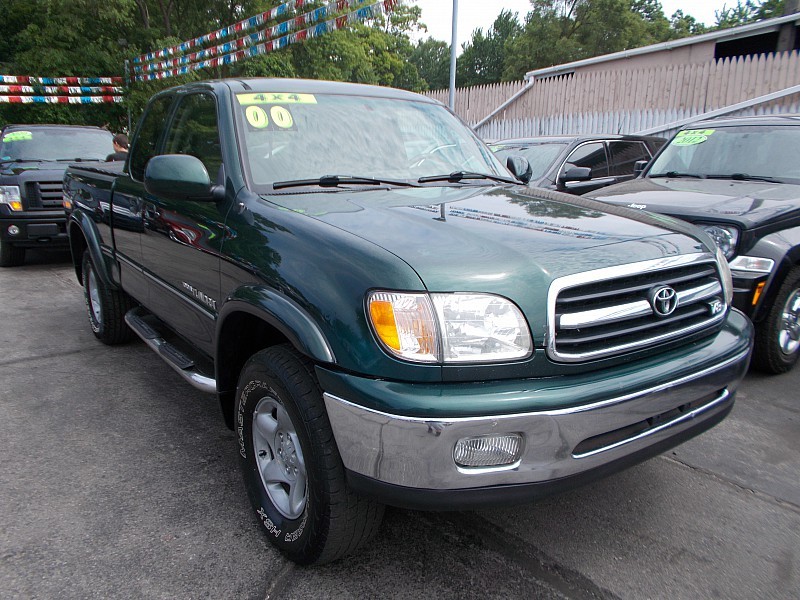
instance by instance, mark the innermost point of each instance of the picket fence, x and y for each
(628, 101)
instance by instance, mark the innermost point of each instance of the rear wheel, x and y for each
(106, 307)
(11, 255)
(778, 338)
(291, 465)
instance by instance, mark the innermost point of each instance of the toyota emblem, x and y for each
(664, 300)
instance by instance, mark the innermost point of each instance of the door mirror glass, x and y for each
(178, 177)
(520, 168)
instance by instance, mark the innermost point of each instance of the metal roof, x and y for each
(722, 35)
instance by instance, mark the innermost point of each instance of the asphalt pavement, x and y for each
(119, 480)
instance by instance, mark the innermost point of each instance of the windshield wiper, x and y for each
(676, 175)
(336, 180)
(745, 177)
(22, 160)
(458, 176)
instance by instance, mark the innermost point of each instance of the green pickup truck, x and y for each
(386, 315)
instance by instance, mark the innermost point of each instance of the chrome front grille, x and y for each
(620, 309)
(44, 195)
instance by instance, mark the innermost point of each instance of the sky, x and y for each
(472, 14)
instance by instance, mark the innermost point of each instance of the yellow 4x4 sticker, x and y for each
(692, 137)
(275, 98)
(17, 136)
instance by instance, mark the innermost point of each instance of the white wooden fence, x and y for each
(627, 101)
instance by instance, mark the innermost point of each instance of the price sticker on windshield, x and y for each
(18, 136)
(281, 117)
(692, 137)
(256, 116)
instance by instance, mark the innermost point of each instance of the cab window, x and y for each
(592, 155)
(150, 129)
(194, 131)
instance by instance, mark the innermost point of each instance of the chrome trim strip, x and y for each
(190, 301)
(551, 413)
(609, 273)
(584, 356)
(722, 398)
(640, 308)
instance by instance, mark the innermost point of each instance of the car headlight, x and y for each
(9, 194)
(727, 278)
(725, 236)
(449, 328)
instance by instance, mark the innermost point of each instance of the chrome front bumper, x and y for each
(418, 453)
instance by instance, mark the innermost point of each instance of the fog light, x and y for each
(13, 230)
(488, 450)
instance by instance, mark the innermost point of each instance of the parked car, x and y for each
(582, 163)
(33, 159)
(386, 321)
(739, 179)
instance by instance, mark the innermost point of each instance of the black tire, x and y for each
(105, 307)
(777, 345)
(11, 255)
(306, 509)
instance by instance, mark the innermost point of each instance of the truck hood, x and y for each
(747, 203)
(499, 239)
(12, 169)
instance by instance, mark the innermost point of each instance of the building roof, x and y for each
(721, 35)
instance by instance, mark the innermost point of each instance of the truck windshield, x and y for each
(762, 152)
(290, 137)
(56, 143)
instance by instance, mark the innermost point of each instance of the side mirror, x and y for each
(520, 168)
(639, 166)
(180, 177)
(576, 174)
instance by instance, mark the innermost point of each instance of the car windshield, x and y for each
(288, 137)
(540, 156)
(741, 152)
(42, 143)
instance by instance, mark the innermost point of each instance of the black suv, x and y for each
(582, 163)
(739, 179)
(33, 159)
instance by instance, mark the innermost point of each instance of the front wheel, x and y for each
(777, 346)
(11, 255)
(291, 465)
(106, 307)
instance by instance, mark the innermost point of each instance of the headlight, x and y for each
(449, 328)
(725, 237)
(9, 194)
(727, 278)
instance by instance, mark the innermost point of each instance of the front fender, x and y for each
(281, 313)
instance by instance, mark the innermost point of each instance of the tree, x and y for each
(483, 58)
(432, 60)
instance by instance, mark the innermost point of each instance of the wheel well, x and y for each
(77, 246)
(241, 336)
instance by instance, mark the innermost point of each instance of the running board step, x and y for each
(181, 363)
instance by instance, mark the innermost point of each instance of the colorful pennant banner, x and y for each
(340, 22)
(322, 13)
(59, 99)
(61, 80)
(243, 25)
(59, 89)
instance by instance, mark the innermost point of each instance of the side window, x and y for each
(150, 129)
(194, 131)
(592, 155)
(625, 154)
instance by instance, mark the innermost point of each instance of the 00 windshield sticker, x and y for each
(18, 136)
(692, 137)
(275, 98)
(256, 116)
(281, 117)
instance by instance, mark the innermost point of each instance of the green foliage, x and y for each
(483, 58)
(432, 60)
